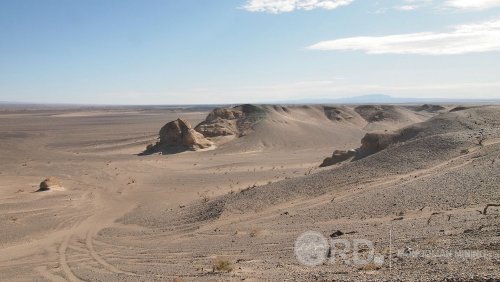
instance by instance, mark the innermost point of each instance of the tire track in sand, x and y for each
(95, 255)
(63, 260)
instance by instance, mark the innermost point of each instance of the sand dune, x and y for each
(124, 217)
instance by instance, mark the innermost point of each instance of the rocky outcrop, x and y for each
(178, 135)
(370, 144)
(236, 121)
(221, 122)
(374, 142)
(225, 113)
(338, 156)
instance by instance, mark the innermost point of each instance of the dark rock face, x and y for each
(375, 142)
(338, 157)
(370, 144)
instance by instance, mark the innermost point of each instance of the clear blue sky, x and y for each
(235, 51)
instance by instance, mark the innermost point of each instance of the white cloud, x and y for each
(471, 38)
(473, 4)
(284, 6)
(407, 7)
(410, 5)
(470, 5)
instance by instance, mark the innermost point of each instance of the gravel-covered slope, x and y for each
(441, 164)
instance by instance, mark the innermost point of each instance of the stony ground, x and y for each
(242, 206)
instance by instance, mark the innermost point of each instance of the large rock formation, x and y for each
(178, 135)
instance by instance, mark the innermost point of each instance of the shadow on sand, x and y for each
(162, 150)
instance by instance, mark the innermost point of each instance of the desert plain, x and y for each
(422, 182)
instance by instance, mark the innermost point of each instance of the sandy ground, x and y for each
(125, 217)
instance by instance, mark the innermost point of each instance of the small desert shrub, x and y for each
(370, 267)
(254, 232)
(204, 198)
(432, 241)
(222, 265)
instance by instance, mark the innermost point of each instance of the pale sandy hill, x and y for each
(250, 128)
(389, 117)
(294, 127)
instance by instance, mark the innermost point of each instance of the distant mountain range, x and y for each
(364, 99)
(386, 99)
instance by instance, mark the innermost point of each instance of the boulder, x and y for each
(50, 183)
